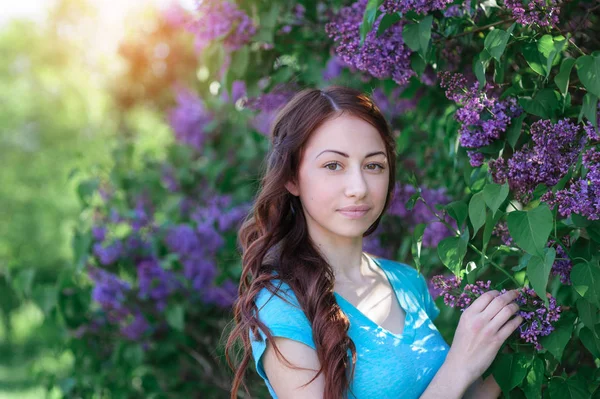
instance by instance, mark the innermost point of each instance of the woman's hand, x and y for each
(481, 331)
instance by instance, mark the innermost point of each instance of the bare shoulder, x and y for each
(287, 382)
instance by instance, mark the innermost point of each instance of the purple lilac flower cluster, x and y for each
(583, 195)
(538, 12)
(418, 6)
(109, 250)
(454, 296)
(537, 319)
(189, 118)
(197, 248)
(221, 20)
(555, 148)
(382, 57)
(562, 267)
(155, 283)
(435, 230)
(110, 292)
(267, 105)
(483, 117)
(501, 230)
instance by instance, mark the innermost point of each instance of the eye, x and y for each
(330, 164)
(381, 167)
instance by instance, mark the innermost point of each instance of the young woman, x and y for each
(320, 317)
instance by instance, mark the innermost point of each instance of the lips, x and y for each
(355, 208)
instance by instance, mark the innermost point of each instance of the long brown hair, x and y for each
(277, 219)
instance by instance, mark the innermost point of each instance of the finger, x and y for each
(482, 302)
(498, 303)
(509, 327)
(502, 317)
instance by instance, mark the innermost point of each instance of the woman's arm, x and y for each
(484, 389)
(481, 331)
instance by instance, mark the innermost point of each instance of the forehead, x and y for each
(346, 133)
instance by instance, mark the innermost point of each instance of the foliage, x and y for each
(495, 110)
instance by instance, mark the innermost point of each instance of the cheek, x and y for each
(319, 195)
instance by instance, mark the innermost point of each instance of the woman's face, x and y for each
(344, 164)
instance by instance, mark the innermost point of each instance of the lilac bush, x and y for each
(555, 148)
(495, 114)
(482, 116)
(382, 57)
(538, 320)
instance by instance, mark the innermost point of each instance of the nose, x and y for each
(356, 185)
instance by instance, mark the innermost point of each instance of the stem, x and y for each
(482, 28)
(572, 42)
(473, 247)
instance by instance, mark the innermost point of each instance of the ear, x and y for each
(292, 187)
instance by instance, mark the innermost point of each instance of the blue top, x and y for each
(388, 365)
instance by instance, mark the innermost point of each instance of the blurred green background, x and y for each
(60, 111)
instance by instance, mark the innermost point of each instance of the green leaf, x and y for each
(510, 369)
(480, 65)
(417, 240)
(523, 262)
(556, 342)
(490, 223)
(559, 388)
(585, 277)
(412, 200)
(589, 339)
(175, 317)
(593, 231)
(589, 109)
(538, 271)
(543, 104)
(588, 313)
(549, 48)
(531, 229)
(495, 42)
(562, 78)
(425, 33)
(451, 251)
(410, 35)
(22, 282)
(81, 242)
(477, 211)
(534, 58)
(588, 70)
(532, 384)
(371, 13)
(387, 21)
(417, 64)
(417, 36)
(86, 189)
(487, 5)
(458, 211)
(514, 130)
(45, 297)
(494, 195)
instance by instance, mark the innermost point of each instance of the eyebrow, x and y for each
(372, 154)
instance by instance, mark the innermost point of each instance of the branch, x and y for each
(481, 28)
